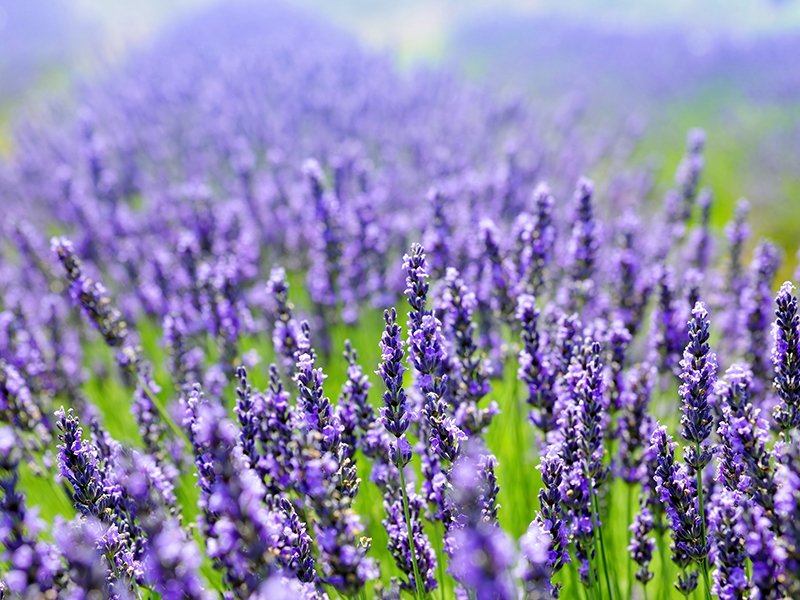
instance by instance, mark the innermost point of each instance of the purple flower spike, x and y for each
(445, 437)
(550, 517)
(583, 246)
(416, 287)
(642, 544)
(275, 436)
(724, 517)
(536, 238)
(394, 413)
(699, 375)
(471, 380)
(678, 494)
(77, 460)
(666, 336)
(535, 368)
(635, 424)
(354, 410)
(786, 358)
(498, 274)
(779, 556)
(247, 413)
(534, 567)
(33, 565)
(94, 301)
(399, 547)
(481, 554)
(757, 305)
(632, 285)
(745, 462)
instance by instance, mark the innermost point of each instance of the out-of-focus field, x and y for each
(728, 67)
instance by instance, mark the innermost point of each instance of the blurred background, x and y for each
(731, 67)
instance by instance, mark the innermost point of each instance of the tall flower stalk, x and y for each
(699, 374)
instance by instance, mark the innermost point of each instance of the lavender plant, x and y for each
(200, 452)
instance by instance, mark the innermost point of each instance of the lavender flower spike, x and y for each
(642, 544)
(534, 368)
(394, 413)
(699, 375)
(482, 554)
(550, 517)
(786, 358)
(730, 579)
(77, 459)
(678, 495)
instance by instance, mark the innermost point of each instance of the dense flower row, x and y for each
(599, 317)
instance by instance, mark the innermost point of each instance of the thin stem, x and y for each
(440, 554)
(594, 530)
(630, 517)
(662, 552)
(417, 579)
(704, 566)
(599, 528)
(704, 563)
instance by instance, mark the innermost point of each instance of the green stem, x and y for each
(417, 579)
(704, 564)
(630, 518)
(598, 527)
(665, 574)
(440, 555)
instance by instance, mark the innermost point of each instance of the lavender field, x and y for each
(280, 319)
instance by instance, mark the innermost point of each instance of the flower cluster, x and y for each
(165, 384)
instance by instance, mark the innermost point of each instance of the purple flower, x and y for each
(767, 556)
(248, 416)
(535, 368)
(416, 290)
(33, 565)
(632, 287)
(242, 533)
(77, 461)
(394, 413)
(481, 554)
(534, 567)
(353, 408)
(79, 543)
(724, 517)
(444, 435)
(780, 555)
(93, 299)
(635, 424)
(399, 546)
(687, 176)
(275, 436)
(702, 242)
(171, 561)
(666, 339)
(550, 518)
(535, 240)
(470, 382)
(745, 463)
(757, 304)
(642, 544)
(498, 272)
(786, 358)
(677, 492)
(699, 374)
(583, 246)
